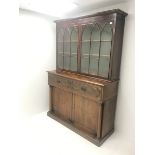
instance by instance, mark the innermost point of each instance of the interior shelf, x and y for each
(96, 55)
(67, 41)
(96, 40)
(67, 53)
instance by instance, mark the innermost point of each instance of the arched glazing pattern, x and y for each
(67, 44)
(60, 36)
(66, 51)
(96, 48)
(85, 49)
(73, 49)
(105, 50)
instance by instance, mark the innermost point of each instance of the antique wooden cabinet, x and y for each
(83, 89)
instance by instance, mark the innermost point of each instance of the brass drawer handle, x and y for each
(83, 88)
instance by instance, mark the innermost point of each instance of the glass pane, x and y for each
(93, 69)
(74, 36)
(85, 47)
(60, 47)
(105, 48)
(95, 33)
(107, 33)
(66, 50)
(60, 60)
(74, 41)
(86, 33)
(60, 35)
(73, 65)
(95, 46)
(104, 66)
(73, 47)
(94, 52)
(95, 40)
(84, 64)
(86, 40)
(66, 42)
(66, 62)
(66, 35)
(67, 47)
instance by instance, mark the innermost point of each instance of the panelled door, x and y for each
(96, 46)
(62, 103)
(67, 47)
(86, 48)
(85, 114)
(79, 110)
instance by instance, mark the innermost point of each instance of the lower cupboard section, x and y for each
(88, 118)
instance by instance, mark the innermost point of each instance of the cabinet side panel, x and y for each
(108, 116)
(110, 90)
(117, 49)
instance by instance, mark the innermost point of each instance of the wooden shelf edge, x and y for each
(97, 142)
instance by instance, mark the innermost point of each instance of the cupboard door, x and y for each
(85, 114)
(96, 45)
(62, 103)
(67, 47)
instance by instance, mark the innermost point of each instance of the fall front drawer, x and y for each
(83, 88)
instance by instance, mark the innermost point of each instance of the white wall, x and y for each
(36, 56)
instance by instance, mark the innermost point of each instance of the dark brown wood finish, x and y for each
(117, 17)
(104, 14)
(85, 102)
(62, 106)
(117, 48)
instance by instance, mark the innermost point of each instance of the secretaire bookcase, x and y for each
(83, 89)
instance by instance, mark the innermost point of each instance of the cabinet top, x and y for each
(96, 14)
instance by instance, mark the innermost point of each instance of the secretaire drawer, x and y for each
(83, 88)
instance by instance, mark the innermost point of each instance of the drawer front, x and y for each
(83, 88)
